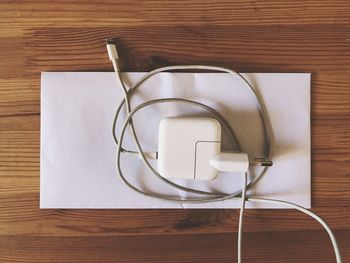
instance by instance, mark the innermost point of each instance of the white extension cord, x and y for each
(209, 196)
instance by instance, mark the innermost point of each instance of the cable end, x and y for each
(112, 49)
(110, 40)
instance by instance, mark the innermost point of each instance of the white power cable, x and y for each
(240, 222)
(309, 213)
(209, 196)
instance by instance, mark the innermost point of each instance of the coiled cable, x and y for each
(205, 195)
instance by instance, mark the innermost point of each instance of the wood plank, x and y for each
(274, 48)
(310, 246)
(173, 13)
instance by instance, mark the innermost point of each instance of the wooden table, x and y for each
(248, 36)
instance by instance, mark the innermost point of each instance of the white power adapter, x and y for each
(189, 148)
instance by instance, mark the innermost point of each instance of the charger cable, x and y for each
(201, 196)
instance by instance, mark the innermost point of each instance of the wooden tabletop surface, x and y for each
(247, 36)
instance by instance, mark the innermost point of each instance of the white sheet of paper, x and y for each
(78, 152)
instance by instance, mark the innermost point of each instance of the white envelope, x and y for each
(77, 166)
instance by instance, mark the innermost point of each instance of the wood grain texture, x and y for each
(248, 36)
(293, 246)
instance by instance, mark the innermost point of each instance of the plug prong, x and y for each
(262, 162)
